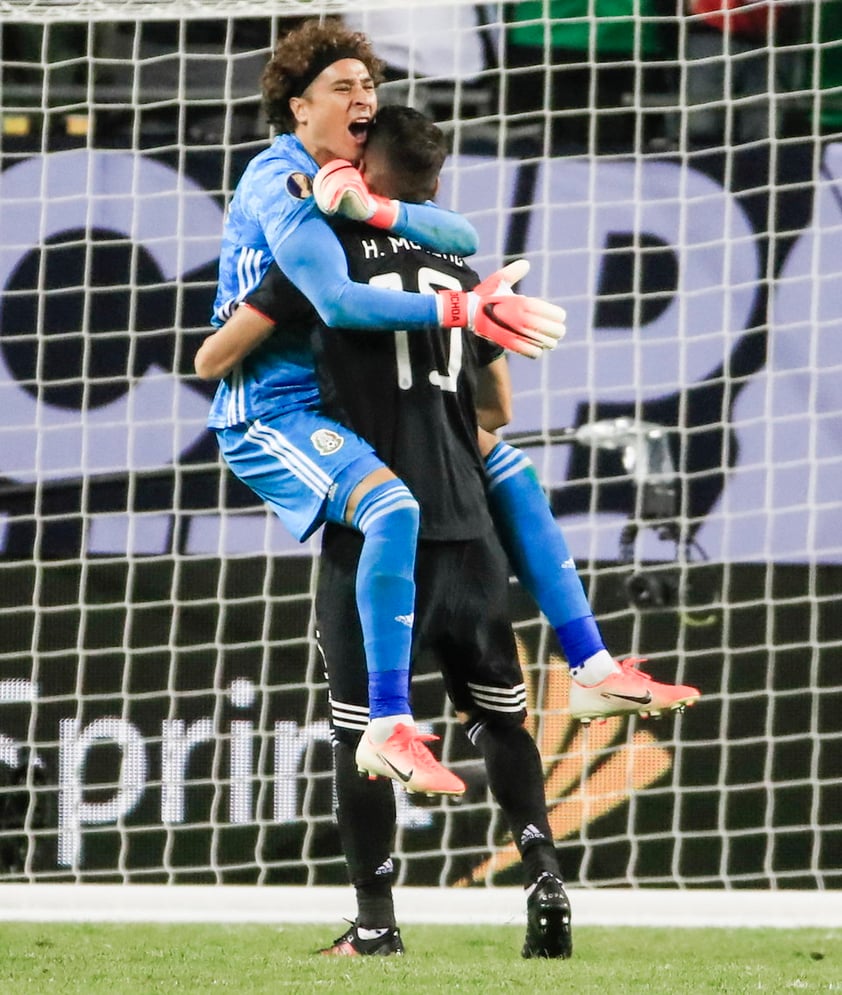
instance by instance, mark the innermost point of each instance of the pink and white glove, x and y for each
(340, 189)
(525, 325)
(503, 280)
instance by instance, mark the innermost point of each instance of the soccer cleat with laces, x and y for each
(630, 691)
(351, 944)
(404, 758)
(549, 932)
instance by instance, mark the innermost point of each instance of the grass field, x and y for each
(96, 959)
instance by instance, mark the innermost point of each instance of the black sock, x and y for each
(541, 858)
(516, 779)
(366, 817)
(375, 906)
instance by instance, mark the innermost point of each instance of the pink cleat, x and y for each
(404, 758)
(629, 692)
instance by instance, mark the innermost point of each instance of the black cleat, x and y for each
(351, 944)
(549, 932)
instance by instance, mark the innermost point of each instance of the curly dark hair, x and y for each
(297, 52)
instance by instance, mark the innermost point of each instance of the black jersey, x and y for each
(411, 395)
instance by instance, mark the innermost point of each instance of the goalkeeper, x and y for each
(319, 89)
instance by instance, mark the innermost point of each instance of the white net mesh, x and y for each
(162, 714)
(92, 11)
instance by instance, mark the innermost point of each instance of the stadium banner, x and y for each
(200, 765)
(705, 306)
(170, 746)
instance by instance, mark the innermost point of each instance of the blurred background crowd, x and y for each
(662, 74)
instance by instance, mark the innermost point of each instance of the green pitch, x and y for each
(249, 960)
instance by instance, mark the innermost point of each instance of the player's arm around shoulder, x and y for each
(340, 189)
(221, 351)
(436, 228)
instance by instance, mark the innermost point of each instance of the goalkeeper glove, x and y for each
(340, 189)
(525, 325)
(503, 280)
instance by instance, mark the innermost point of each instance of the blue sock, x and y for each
(388, 518)
(538, 552)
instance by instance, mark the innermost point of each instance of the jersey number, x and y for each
(428, 281)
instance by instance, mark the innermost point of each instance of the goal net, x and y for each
(163, 715)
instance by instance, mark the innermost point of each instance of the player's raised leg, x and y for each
(382, 508)
(542, 562)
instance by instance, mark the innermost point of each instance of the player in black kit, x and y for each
(413, 398)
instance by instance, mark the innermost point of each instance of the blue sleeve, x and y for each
(437, 229)
(313, 259)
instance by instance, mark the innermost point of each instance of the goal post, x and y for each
(163, 716)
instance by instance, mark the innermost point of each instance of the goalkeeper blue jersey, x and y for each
(273, 215)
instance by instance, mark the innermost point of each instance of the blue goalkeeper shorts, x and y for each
(302, 464)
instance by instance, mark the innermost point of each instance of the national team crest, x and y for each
(326, 441)
(299, 186)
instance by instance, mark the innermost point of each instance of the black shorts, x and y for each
(462, 630)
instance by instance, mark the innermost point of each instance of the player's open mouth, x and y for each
(359, 129)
